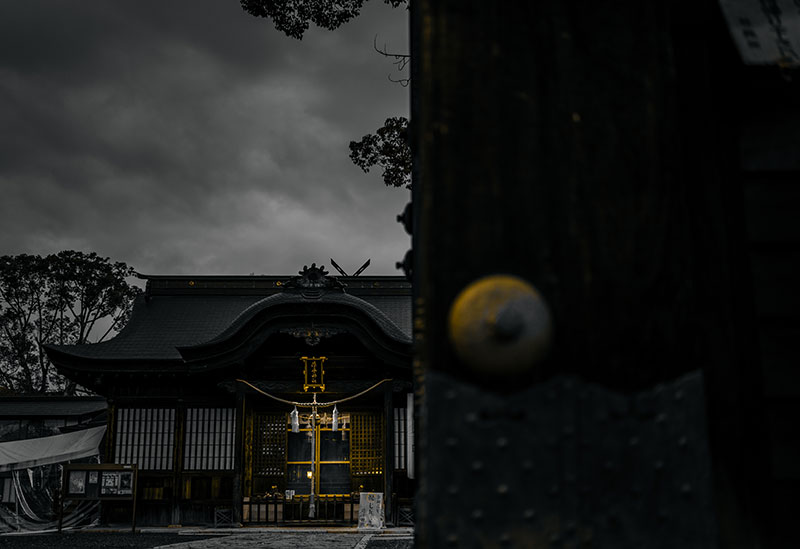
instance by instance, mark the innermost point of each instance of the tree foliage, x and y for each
(292, 17)
(388, 148)
(65, 298)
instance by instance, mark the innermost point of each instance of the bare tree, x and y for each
(66, 298)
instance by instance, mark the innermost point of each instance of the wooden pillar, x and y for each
(579, 148)
(388, 451)
(110, 433)
(237, 496)
(177, 464)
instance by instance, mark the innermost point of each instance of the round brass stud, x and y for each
(500, 325)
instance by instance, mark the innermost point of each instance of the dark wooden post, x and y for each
(388, 450)
(177, 463)
(585, 151)
(238, 500)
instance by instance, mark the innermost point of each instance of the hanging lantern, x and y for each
(334, 426)
(295, 420)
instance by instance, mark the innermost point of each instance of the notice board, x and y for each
(99, 481)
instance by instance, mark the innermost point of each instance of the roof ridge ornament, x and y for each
(313, 282)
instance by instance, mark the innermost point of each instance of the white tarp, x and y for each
(21, 454)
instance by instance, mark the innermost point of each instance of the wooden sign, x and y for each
(766, 33)
(104, 482)
(314, 373)
(370, 511)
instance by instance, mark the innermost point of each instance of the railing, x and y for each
(341, 509)
(402, 511)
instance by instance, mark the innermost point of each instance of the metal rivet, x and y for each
(661, 418)
(477, 465)
(529, 513)
(471, 417)
(477, 514)
(502, 489)
(502, 442)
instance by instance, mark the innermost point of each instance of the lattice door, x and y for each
(366, 449)
(269, 450)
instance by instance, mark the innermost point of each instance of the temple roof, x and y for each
(187, 312)
(50, 406)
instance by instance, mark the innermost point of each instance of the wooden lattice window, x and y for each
(209, 439)
(145, 436)
(366, 444)
(400, 431)
(269, 445)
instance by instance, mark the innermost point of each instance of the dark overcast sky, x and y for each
(190, 137)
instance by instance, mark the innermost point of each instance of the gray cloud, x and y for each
(191, 137)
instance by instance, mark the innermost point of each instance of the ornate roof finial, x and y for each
(313, 281)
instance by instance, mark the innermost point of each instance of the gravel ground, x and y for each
(378, 543)
(92, 540)
(149, 540)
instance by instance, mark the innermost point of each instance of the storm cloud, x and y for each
(189, 137)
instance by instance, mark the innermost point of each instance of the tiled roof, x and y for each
(160, 324)
(377, 315)
(50, 406)
(397, 308)
(167, 320)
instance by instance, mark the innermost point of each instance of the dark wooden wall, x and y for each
(594, 151)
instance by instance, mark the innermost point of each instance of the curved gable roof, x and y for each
(252, 327)
(177, 326)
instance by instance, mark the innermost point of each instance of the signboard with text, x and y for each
(766, 32)
(370, 511)
(99, 481)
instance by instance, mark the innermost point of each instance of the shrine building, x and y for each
(202, 386)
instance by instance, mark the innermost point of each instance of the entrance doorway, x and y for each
(331, 463)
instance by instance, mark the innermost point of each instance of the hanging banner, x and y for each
(766, 32)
